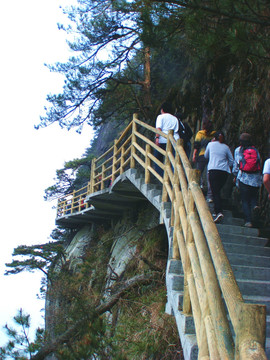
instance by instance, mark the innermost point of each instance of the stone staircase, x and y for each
(249, 256)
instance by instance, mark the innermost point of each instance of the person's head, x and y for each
(245, 139)
(207, 125)
(219, 136)
(166, 108)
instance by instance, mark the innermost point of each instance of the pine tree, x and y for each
(112, 56)
(19, 345)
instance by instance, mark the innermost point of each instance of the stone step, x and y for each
(232, 221)
(253, 287)
(251, 272)
(247, 249)
(240, 230)
(251, 260)
(242, 239)
(246, 286)
(190, 326)
(147, 188)
(156, 201)
(240, 271)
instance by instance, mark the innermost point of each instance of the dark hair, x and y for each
(245, 139)
(207, 125)
(219, 136)
(166, 107)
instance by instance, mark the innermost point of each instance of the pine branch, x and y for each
(128, 285)
(217, 12)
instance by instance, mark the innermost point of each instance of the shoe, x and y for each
(218, 218)
(209, 201)
(248, 224)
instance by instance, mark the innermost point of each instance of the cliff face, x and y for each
(126, 260)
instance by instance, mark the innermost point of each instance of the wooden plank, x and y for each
(139, 160)
(140, 149)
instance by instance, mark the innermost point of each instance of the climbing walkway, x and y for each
(217, 276)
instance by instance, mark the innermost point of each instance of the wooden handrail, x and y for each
(196, 242)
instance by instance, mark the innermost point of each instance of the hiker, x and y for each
(82, 205)
(219, 166)
(266, 176)
(202, 138)
(185, 133)
(164, 122)
(248, 178)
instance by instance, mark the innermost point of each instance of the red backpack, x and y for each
(250, 160)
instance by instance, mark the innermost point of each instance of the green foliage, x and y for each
(19, 345)
(74, 175)
(71, 284)
(139, 327)
(107, 77)
(78, 290)
(194, 49)
(35, 257)
(143, 330)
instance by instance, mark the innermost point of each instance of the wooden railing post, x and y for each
(114, 160)
(147, 164)
(122, 160)
(175, 217)
(92, 176)
(167, 164)
(176, 181)
(102, 177)
(250, 333)
(133, 141)
(176, 228)
(194, 176)
(72, 201)
(88, 191)
(219, 319)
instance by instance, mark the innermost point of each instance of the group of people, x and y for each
(212, 153)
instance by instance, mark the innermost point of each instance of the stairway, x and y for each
(249, 256)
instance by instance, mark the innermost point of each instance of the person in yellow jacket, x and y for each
(202, 138)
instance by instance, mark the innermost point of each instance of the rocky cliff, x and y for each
(111, 291)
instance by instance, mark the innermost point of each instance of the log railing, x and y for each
(209, 283)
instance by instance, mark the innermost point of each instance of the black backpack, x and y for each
(184, 131)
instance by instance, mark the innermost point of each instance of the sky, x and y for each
(29, 158)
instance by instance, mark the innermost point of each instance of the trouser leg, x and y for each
(160, 157)
(249, 196)
(202, 165)
(217, 180)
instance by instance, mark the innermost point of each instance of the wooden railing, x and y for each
(209, 283)
(74, 202)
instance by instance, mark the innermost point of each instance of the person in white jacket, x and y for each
(219, 166)
(164, 122)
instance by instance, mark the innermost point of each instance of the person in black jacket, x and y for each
(185, 133)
